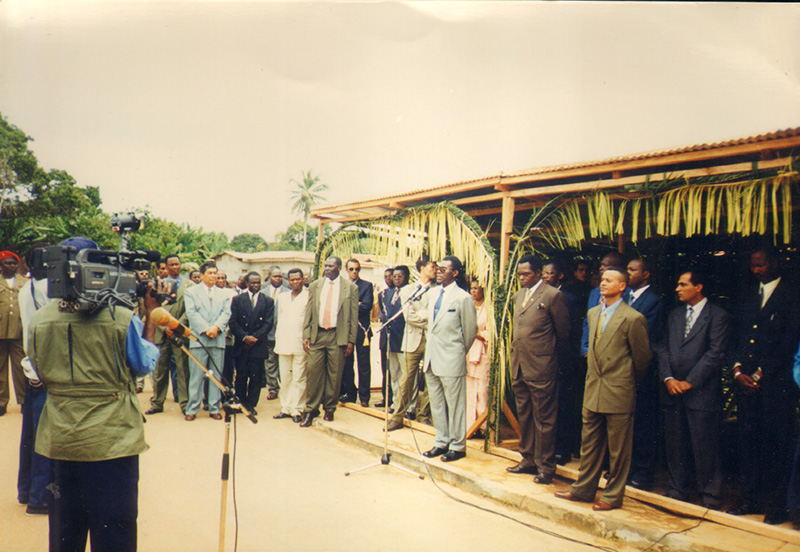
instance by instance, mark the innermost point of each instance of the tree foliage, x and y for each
(306, 194)
(248, 243)
(292, 239)
(41, 205)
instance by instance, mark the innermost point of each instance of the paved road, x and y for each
(291, 494)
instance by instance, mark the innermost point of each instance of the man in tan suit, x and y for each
(619, 353)
(10, 330)
(541, 328)
(329, 334)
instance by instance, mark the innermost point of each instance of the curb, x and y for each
(675, 534)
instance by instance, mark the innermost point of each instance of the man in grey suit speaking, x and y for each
(452, 327)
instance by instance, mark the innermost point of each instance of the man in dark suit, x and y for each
(690, 358)
(329, 335)
(383, 297)
(365, 300)
(571, 372)
(275, 285)
(765, 393)
(540, 332)
(252, 315)
(644, 299)
(619, 353)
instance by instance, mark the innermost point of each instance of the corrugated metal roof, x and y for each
(754, 139)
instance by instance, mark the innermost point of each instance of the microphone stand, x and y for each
(230, 404)
(385, 459)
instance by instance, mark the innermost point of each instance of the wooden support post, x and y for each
(477, 423)
(512, 420)
(506, 229)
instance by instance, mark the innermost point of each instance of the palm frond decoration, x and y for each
(439, 230)
(745, 207)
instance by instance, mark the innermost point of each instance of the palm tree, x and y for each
(305, 196)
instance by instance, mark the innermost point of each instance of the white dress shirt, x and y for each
(290, 313)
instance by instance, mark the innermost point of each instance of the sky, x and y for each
(203, 112)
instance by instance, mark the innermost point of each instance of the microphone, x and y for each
(415, 297)
(160, 317)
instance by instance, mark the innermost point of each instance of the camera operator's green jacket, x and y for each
(91, 412)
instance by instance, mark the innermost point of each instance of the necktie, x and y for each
(689, 318)
(395, 295)
(254, 299)
(438, 304)
(326, 314)
(761, 296)
(527, 297)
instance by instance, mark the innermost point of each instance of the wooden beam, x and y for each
(506, 229)
(479, 199)
(592, 186)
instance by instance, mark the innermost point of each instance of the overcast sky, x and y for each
(204, 111)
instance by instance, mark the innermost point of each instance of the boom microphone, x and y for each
(160, 317)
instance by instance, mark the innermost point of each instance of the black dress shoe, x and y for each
(346, 399)
(519, 468)
(308, 419)
(365, 404)
(281, 416)
(328, 417)
(154, 411)
(776, 516)
(453, 455)
(297, 419)
(434, 452)
(745, 509)
(543, 479)
(562, 459)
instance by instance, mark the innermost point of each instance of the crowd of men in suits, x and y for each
(595, 371)
(634, 365)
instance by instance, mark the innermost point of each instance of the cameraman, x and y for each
(91, 426)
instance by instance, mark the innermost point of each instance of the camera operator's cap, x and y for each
(79, 243)
(7, 254)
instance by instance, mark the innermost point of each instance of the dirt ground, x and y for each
(291, 495)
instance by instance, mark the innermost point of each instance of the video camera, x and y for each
(86, 281)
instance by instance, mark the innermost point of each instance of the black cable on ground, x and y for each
(665, 535)
(501, 514)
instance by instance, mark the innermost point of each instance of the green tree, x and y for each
(248, 243)
(292, 238)
(306, 194)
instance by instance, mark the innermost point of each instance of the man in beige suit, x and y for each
(541, 328)
(10, 330)
(329, 334)
(619, 353)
